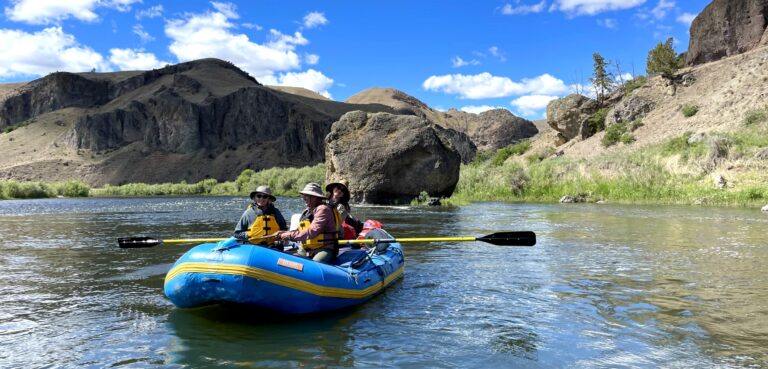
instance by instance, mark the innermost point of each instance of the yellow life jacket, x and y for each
(323, 239)
(264, 225)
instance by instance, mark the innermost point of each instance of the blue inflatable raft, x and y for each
(235, 273)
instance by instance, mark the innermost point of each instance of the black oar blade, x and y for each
(137, 242)
(522, 238)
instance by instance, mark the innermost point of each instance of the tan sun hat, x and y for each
(265, 190)
(313, 189)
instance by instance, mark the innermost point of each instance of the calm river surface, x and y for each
(607, 286)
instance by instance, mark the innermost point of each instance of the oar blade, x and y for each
(520, 238)
(137, 242)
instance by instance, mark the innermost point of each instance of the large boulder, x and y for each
(389, 158)
(569, 116)
(727, 27)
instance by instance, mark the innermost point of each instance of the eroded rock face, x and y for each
(389, 158)
(727, 27)
(629, 109)
(492, 129)
(190, 121)
(569, 116)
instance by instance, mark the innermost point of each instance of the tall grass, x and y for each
(673, 172)
(11, 189)
(283, 181)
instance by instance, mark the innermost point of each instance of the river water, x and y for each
(606, 286)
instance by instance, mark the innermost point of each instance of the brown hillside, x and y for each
(724, 91)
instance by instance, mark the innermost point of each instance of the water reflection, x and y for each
(230, 336)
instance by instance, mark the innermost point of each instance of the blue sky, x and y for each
(469, 55)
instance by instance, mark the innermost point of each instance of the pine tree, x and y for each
(602, 80)
(663, 60)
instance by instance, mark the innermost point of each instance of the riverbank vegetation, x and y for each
(727, 168)
(719, 168)
(11, 189)
(283, 181)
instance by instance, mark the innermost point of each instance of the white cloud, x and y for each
(128, 59)
(252, 26)
(120, 5)
(311, 80)
(43, 52)
(54, 11)
(314, 19)
(592, 7)
(495, 51)
(151, 12)
(508, 9)
(609, 23)
(532, 105)
(686, 18)
(458, 62)
(478, 109)
(209, 35)
(280, 41)
(228, 9)
(143, 35)
(661, 9)
(311, 59)
(485, 85)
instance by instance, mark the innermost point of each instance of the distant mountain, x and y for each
(190, 121)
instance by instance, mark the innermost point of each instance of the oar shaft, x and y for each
(195, 240)
(418, 239)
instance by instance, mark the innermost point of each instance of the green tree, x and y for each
(663, 60)
(602, 79)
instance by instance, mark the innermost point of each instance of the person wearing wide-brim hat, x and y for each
(338, 197)
(319, 227)
(261, 218)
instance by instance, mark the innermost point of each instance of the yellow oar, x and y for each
(523, 238)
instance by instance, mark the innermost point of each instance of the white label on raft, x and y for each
(290, 264)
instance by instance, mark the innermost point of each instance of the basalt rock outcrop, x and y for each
(492, 129)
(389, 158)
(569, 116)
(727, 27)
(190, 121)
(488, 131)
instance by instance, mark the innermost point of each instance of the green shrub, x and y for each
(515, 149)
(627, 138)
(613, 134)
(633, 84)
(597, 120)
(756, 116)
(689, 110)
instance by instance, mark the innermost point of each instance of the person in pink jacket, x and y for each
(319, 227)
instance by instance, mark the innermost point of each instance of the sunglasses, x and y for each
(260, 196)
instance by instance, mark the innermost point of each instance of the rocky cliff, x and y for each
(727, 27)
(488, 131)
(195, 120)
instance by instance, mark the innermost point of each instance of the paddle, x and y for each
(522, 238)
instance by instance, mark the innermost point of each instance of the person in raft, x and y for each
(261, 220)
(338, 197)
(319, 227)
